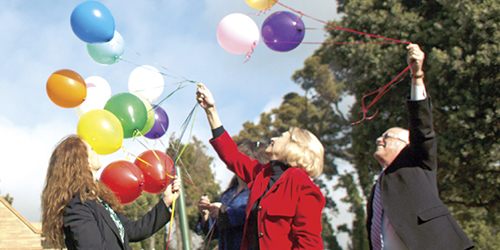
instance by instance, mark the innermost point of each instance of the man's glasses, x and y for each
(393, 136)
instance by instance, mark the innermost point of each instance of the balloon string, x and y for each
(171, 222)
(138, 65)
(250, 52)
(177, 89)
(190, 116)
(176, 149)
(336, 43)
(381, 92)
(261, 12)
(341, 28)
(210, 233)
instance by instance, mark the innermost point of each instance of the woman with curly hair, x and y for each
(80, 212)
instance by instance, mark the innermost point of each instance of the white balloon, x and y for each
(98, 93)
(146, 82)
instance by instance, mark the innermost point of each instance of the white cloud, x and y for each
(25, 157)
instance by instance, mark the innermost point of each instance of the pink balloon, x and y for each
(238, 34)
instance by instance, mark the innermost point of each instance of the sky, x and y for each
(176, 37)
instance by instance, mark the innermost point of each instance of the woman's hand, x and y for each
(203, 204)
(214, 209)
(172, 191)
(204, 97)
(207, 102)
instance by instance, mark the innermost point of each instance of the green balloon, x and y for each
(151, 117)
(130, 111)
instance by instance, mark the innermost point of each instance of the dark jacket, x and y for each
(409, 191)
(88, 225)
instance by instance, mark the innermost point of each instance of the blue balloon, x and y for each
(92, 22)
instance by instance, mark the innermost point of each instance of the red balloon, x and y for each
(155, 170)
(125, 179)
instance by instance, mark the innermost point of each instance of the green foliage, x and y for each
(461, 42)
(8, 198)
(195, 164)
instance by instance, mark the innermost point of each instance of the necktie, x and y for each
(376, 228)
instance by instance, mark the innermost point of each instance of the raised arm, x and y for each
(422, 135)
(415, 61)
(207, 102)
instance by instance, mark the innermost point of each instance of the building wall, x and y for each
(15, 231)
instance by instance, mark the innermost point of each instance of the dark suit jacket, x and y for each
(409, 192)
(88, 225)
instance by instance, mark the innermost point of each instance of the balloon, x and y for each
(160, 125)
(107, 53)
(151, 117)
(102, 130)
(283, 31)
(131, 112)
(238, 34)
(261, 4)
(155, 174)
(92, 22)
(146, 82)
(66, 88)
(125, 179)
(98, 93)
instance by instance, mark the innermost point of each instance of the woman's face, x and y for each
(277, 145)
(94, 162)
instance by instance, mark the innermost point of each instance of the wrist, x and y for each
(417, 75)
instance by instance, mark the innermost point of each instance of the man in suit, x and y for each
(404, 209)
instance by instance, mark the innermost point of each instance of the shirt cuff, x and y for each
(418, 93)
(217, 132)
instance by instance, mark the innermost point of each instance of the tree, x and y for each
(461, 41)
(199, 179)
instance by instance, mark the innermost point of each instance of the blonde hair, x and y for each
(305, 151)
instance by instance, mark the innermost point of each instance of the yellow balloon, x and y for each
(102, 130)
(261, 4)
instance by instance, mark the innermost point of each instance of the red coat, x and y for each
(290, 212)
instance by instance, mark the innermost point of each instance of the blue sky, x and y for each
(36, 40)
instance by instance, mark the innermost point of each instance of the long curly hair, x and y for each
(68, 175)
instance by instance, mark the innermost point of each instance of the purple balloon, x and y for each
(161, 123)
(283, 31)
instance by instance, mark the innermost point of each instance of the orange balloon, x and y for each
(66, 88)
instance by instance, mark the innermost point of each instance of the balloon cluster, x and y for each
(282, 31)
(105, 119)
(150, 172)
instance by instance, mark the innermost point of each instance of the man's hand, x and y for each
(415, 59)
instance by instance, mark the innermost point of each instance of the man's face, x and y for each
(389, 145)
